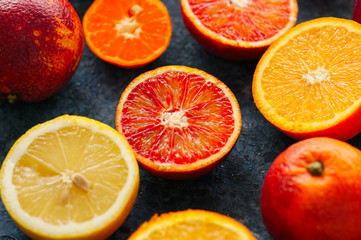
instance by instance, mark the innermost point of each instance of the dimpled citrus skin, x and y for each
(297, 205)
(41, 43)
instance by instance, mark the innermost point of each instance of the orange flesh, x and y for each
(257, 20)
(117, 33)
(314, 76)
(191, 228)
(177, 117)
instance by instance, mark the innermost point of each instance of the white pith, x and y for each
(128, 27)
(174, 119)
(317, 76)
(239, 3)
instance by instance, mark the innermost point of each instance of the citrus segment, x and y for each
(69, 178)
(238, 29)
(309, 82)
(178, 120)
(192, 224)
(127, 33)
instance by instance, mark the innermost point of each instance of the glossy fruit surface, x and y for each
(41, 43)
(127, 33)
(308, 83)
(180, 121)
(238, 29)
(192, 225)
(356, 14)
(312, 191)
(69, 178)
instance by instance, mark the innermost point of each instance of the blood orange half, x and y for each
(179, 121)
(238, 29)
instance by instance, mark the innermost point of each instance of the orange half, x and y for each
(192, 225)
(179, 121)
(238, 29)
(308, 83)
(127, 33)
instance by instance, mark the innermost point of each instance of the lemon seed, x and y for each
(81, 181)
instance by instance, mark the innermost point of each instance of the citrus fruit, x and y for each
(356, 14)
(238, 29)
(179, 121)
(308, 83)
(69, 178)
(312, 191)
(127, 33)
(192, 224)
(41, 43)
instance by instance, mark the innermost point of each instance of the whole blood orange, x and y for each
(312, 191)
(41, 43)
(238, 29)
(308, 83)
(179, 121)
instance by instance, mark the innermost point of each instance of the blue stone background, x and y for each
(233, 188)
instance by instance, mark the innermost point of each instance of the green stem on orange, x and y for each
(12, 98)
(316, 168)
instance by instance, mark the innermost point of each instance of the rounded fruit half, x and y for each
(180, 121)
(69, 178)
(238, 29)
(192, 224)
(127, 33)
(308, 83)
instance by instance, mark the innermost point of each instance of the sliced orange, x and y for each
(127, 33)
(308, 83)
(179, 121)
(69, 178)
(192, 225)
(238, 29)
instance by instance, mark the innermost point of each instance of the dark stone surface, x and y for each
(233, 188)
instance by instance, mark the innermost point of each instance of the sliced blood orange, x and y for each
(179, 121)
(238, 29)
(127, 33)
(308, 83)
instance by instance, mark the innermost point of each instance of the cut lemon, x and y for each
(192, 224)
(69, 178)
